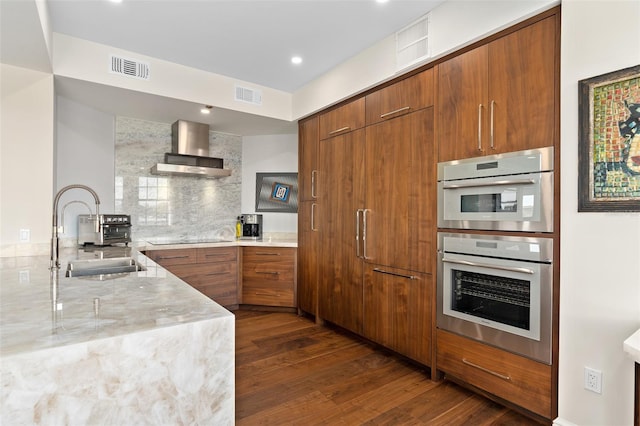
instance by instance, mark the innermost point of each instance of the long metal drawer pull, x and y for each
(486, 265)
(333, 132)
(216, 273)
(480, 127)
(172, 257)
(264, 253)
(395, 274)
(268, 272)
(313, 183)
(486, 370)
(386, 114)
(491, 125)
(494, 183)
(313, 217)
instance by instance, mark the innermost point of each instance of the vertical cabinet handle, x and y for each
(480, 127)
(364, 233)
(313, 184)
(313, 217)
(358, 232)
(493, 103)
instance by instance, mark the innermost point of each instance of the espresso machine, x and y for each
(251, 227)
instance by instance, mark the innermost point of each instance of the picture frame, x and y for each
(277, 192)
(609, 142)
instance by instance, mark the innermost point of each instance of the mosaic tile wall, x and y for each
(174, 207)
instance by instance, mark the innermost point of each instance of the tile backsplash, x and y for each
(181, 207)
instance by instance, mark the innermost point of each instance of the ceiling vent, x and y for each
(252, 96)
(129, 67)
(412, 43)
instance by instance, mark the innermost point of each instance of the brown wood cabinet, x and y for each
(341, 193)
(516, 379)
(269, 276)
(308, 256)
(500, 97)
(403, 97)
(213, 270)
(344, 119)
(397, 310)
(400, 192)
(308, 139)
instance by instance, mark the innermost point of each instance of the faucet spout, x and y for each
(55, 264)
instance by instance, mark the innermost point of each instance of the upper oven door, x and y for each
(508, 203)
(506, 192)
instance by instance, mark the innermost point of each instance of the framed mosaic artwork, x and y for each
(609, 142)
(277, 192)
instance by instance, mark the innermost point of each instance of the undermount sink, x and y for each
(92, 267)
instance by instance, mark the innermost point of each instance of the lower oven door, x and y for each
(499, 301)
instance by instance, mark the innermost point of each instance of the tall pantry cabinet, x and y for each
(375, 216)
(308, 211)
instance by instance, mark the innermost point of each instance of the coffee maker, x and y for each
(251, 227)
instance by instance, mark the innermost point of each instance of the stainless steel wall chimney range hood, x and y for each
(189, 154)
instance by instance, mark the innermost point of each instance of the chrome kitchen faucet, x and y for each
(55, 264)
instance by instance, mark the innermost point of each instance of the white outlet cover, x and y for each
(25, 235)
(593, 380)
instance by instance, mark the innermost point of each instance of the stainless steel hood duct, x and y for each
(189, 154)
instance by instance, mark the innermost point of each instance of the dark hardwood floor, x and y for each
(290, 371)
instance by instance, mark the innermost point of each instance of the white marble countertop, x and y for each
(632, 346)
(34, 317)
(171, 243)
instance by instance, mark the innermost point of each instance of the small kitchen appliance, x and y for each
(251, 226)
(506, 192)
(113, 229)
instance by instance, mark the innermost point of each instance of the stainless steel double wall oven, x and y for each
(496, 286)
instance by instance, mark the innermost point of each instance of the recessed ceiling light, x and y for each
(296, 60)
(381, 1)
(206, 109)
(115, 1)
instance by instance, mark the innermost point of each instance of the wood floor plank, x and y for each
(291, 371)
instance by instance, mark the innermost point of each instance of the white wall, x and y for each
(273, 153)
(453, 24)
(88, 61)
(26, 159)
(85, 154)
(600, 252)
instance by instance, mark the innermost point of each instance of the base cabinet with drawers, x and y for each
(269, 276)
(211, 270)
(522, 381)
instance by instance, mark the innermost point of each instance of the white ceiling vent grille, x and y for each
(252, 96)
(412, 43)
(129, 67)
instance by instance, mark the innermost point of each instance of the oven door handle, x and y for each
(486, 265)
(494, 183)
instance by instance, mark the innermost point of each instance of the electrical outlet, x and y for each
(25, 235)
(593, 380)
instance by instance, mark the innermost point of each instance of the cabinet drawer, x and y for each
(516, 379)
(217, 254)
(216, 280)
(173, 256)
(406, 96)
(268, 255)
(268, 293)
(344, 119)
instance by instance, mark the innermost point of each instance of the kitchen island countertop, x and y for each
(142, 348)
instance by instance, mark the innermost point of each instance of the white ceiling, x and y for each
(251, 40)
